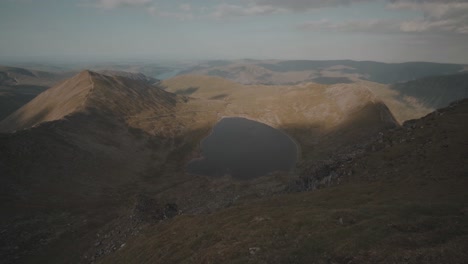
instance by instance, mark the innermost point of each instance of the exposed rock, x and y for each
(147, 209)
(254, 250)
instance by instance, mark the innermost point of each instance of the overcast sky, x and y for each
(386, 30)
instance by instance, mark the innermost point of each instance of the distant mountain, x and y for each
(326, 72)
(152, 70)
(132, 75)
(415, 99)
(435, 92)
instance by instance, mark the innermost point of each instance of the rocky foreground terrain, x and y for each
(92, 171)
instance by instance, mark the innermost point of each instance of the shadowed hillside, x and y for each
(132, 76)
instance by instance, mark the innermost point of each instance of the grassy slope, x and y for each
(405, 202)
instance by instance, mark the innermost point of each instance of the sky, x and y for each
(379, 30)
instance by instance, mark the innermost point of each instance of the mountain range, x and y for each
(92, 169)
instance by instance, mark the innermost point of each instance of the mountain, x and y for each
(101, 156)
(415, 99)
(77, 154)
(88, 91)
(437, 91)
(152, 70)
(324, 72)
(18, 86)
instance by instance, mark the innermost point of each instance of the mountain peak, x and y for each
(109, 95)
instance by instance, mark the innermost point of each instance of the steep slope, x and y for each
(403, 201)
(18, 86)
(89, 113)
(89, 91)
(80, 161)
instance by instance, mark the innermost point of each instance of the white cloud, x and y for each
(371, 26)
(185, 7)
(228, 10)
(449, 16)
(303, 5)
(109, 4)
(182, 15)
(437, 17)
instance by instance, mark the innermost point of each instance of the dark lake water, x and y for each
(244, 149)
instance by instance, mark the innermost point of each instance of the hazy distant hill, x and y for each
(131, 75)
(326, 72)
(151, 70)
(435, 92)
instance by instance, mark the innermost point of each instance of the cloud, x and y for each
(185, 13)
(449, 16)
(437, 17)
(109, 4)
(268, 7)
(303, 5)
(185, 7)
(229, 10)
(369, 26)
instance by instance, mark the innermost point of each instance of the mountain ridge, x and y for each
(85, 91)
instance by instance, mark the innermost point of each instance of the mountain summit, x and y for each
(90, 92)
